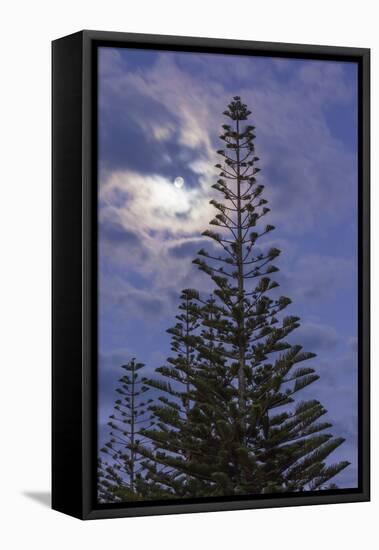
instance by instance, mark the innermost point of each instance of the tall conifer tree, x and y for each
(243, 434)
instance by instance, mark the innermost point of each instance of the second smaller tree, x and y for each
(122, 474)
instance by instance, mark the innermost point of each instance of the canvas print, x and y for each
(227, 276)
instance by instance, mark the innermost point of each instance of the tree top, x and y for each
(237, 110)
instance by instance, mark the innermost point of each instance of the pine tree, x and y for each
(121, 477)
(237, 219)
(244, 433)
(172, 408)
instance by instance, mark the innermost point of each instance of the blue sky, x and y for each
(160, 115)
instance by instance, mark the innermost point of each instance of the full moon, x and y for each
(179, 182)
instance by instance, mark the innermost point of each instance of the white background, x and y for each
(26, 31)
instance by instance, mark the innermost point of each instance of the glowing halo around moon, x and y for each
(179, 182)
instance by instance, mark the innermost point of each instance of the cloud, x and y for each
(317, 277)
(153, 204)
(143, 126)
(317, 337)
(115, 233)
(353, 343)
(168, 112)
(185, 249)
(142, 302)
(188, 248)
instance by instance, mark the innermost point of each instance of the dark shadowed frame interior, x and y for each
(75, 292)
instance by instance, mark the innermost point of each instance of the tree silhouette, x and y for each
(227, 420)
(121, 477)
(241, 436)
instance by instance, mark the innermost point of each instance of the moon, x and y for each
(179, 182)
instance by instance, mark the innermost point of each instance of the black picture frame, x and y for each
(74, 272)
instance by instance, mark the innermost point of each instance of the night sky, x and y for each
(160, 115)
